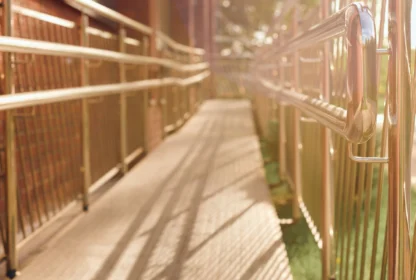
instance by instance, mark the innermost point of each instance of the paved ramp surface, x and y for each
(198, 207)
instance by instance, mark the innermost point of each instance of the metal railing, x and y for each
(102, 70)
(357, 122)
(326, 89)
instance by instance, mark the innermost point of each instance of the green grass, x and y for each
(303, 253)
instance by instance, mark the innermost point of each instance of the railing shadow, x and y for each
(177, 244)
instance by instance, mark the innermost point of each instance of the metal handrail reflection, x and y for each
(101, 10)
(18, 45)
(357, 123)
(177, 46)
(329, 115)
(68, 24)
(28, 99)
(84, 5)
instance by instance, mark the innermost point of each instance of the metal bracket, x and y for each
(366, 159)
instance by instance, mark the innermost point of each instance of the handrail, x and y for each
(102, 10)
(42, 16)
(82, 90)
(68, 24)
(358, 123)
(334, 26)
(126, 21)
(18, 45)
(330, 115)
(28, 99)
(179, 47)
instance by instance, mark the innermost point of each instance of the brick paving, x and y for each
(197, 207)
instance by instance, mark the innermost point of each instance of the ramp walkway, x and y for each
(198, 207)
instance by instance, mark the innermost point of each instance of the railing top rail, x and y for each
(233, 57)
(334, 117)
(334, 26)
(108, 13)
(358, 122)
(28, 99)
(43, 17)
(68, 24)
(177, 46)
(18, 45)
(128, 22)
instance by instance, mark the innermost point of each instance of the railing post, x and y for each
(164, 102)
(185, 91)
(282, 121)
(191, 35)
(11, 202)
(123, 103)
(85, 117)
(189, 93)
(297, 180)
(399, 141)
(328, 266)
(179, 96)
(145, 52)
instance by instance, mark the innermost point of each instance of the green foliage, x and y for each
(303, 253)
(250, 15)
(310, 3)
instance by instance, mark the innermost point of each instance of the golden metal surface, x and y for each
(399, 149)
(86, 141)
(123, 103)
(11, 192)
(297, 180)
(349, 89)
(45, 159)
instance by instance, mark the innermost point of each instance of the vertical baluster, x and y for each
(85, 117)
(164, 98)
(178, 94)
(145, 52)
(282, 121)
(328, 265)
(12, 258)
(399, 142)
(297, 180)
(123, 103)
(370, 168)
